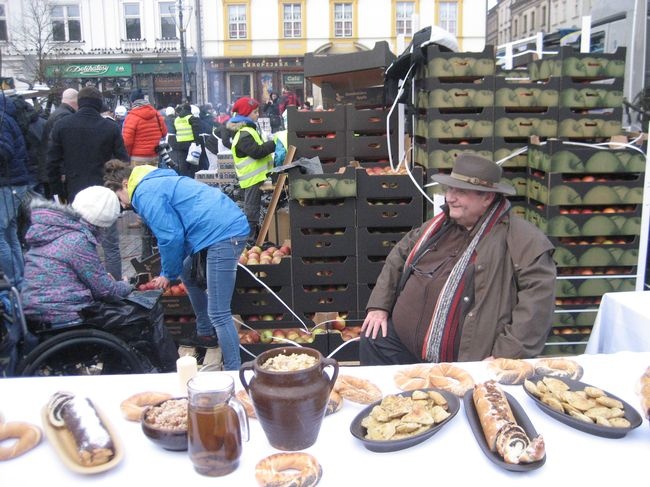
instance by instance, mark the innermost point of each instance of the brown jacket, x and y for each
(514, 291)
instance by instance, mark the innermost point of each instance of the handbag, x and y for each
(193, 154)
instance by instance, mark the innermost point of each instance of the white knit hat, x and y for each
(120, 111)
(97, 205)
(196, 111)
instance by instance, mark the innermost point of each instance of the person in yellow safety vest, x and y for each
(186, 130)
(253, 157)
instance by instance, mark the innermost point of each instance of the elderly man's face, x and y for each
(467, 206)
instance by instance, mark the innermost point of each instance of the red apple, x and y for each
(278, 333)
(338, 323)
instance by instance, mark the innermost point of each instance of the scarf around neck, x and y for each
(445, 320)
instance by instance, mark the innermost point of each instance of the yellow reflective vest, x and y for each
(250, 171)
(183, 129)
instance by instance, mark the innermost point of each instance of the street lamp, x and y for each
(184, 12)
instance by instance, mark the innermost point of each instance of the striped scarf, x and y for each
(439, 341)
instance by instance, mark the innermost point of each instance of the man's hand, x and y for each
(376, 319)
(160, 282)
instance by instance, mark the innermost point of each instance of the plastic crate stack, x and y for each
(588, 201)
(591, 91)
(455, 107)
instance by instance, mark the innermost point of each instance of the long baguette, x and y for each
(502, 433)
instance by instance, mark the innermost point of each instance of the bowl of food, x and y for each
(165, 423)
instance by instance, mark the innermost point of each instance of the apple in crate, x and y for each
(338, 323)
(266, 336)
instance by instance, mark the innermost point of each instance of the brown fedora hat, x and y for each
(475, 172)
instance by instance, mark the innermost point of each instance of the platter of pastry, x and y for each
(400, 421)
(514, 443)
(583, 406)
(81, 434)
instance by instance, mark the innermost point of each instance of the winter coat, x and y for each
(63, 272)
(514, 291)
(81, 144)
(142, 131)
(63, 110)
(13, 151)
(185, 215)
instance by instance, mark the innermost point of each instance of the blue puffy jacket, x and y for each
(13, 151)
(185, 215)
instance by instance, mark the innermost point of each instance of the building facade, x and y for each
(209, 51)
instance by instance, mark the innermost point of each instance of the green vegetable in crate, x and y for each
(563, 226)
(615, 68)
(483, 98)
(483, 67)
(601, 195)
(564, 257)
(566, 161)
(301, 189)
(323, 188)
(603, 161)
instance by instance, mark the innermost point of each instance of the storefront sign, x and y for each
(255, 63)
(89, 70)
(293, 79)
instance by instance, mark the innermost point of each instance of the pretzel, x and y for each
(133, 407)
(245, 400)
(27, 437)
(450, 378)
(356, 389)
(510, 371)
(559, 367)
(303, 470)
(416, 377)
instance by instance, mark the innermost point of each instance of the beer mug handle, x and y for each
(243, 418)
(335, 373)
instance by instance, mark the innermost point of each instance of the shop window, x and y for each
(292, 20)
(66, 23)
(132, 21)
(342, 20)
(448, 15)
(404, 18)
(167, 20)
(237, 28)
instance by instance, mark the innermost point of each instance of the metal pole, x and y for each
(181, 30)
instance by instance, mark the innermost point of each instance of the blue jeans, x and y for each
(11, 253)
(212, 305)
(110, 240)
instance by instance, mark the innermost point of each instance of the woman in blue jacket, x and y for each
(188, 217)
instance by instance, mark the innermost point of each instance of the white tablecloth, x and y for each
(622, 324)
(452, 455)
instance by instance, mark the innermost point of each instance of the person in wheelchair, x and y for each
(63, 270)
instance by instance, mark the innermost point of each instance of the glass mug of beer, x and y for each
(216, 425)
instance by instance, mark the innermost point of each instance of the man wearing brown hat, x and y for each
(474, 282)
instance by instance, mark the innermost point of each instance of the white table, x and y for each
(622, 323)
(452, 455)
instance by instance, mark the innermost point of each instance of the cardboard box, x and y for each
(592, 66)
(368, 269)
(601, 123)
(366, 97)
(259, 300)
(379, 241)
(316, 122)
(594, 286)
(280, 225)
(516, 177)
(368, 121)
(334, 297)
(586, 190)
(350, 70)
(315, 242)
(456, 98)
(328, 146)
(336, 213)
(374, 147)
(322, 270)
(270, 274)
(454, 67)
(461, 127)
(176, 305)
(435, 153)
(512, 150)
(564, 157)
(585, 95)
(323, 187)
(556, 224)
(528, 96)
(524, 125)
(388, 185)
(393, 212)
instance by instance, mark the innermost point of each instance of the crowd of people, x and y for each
(474, 263)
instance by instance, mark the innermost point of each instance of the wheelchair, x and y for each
(28, 348)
